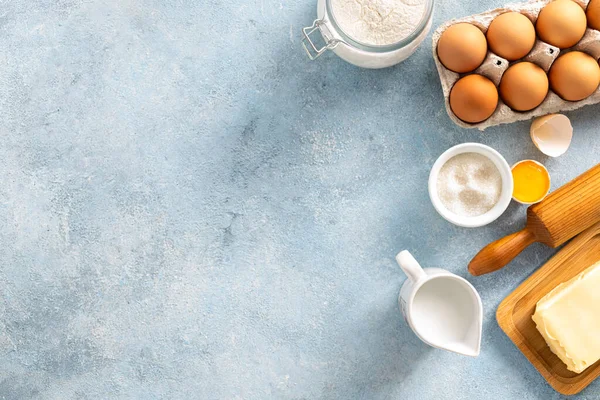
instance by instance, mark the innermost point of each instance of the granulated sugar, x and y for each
(469, 184)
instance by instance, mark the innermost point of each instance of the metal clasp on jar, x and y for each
(322, 25)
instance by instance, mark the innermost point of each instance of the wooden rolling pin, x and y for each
(565, 213)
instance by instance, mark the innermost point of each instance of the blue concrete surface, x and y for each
(191, 209)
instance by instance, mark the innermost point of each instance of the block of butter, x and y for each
(569, 319)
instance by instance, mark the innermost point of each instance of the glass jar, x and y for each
(354, 52)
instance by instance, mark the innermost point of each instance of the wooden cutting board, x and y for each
(515, 311)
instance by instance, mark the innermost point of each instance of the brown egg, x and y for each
(511, 35)
(561, 23)
(473, 98)
(462, 48)
(524, 86)
(593, 14)
(574, 76)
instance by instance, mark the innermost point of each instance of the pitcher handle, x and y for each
(410, 266)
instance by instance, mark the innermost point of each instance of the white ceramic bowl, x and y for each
(505, 196)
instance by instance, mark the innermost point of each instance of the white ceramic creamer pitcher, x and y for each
(443, 309)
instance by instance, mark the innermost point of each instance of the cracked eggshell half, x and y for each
(552, 134)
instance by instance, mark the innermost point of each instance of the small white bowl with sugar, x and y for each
(470, 185)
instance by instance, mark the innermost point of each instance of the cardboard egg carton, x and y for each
(493, 67)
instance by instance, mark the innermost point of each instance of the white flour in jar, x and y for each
(469, 184)
(378, 22)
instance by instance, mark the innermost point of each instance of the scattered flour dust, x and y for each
(378, 22)
(469, 184)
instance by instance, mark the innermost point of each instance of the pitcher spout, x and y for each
(470, 344)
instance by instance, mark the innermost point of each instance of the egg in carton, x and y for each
(494, 66)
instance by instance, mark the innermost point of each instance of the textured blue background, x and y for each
(190, 208)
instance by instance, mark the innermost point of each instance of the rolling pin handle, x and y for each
(499, 253)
